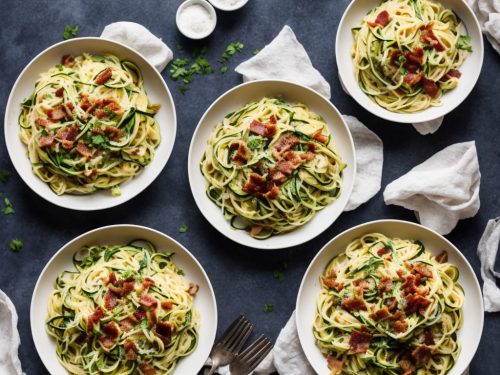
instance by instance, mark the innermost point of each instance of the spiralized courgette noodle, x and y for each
(388, 306)
(126, 309)
(89, 125)
(406, 54)
(270, 166)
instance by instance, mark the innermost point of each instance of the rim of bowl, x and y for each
(204, 4)
(237, 6)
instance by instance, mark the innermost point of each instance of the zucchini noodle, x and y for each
(388, 306)
(126, 309)
(406, 54)
(270, 166)
(88, 124)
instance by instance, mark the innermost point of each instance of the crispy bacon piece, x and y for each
(422, 270)
(122, 287)
(452, 73)
(414, 59)
(421, 354)
(286, 167)
(394, 56)
(428, 337)
(46, 141)
(113, 133)
(285, 143)
(56, 114)
(416, 303)
(407, 366)
(139, 314)
(70, 106)
(353, 304)
(68, 61)
(409, 286)
(59, 92)
(83, 150)
(111, 331)
(320, 137)
(292, 157)
(277, 176)
(167, 304)
(442, 257)
(147, 369)
(385, 285)
(380, 314)
(99, 113)
(255, 185)
(272, 119)
(361, 284)
(309, 155)
(381, 20)
(148, 301)
(93, 319)
(430, 87)
(428, 36)
(265, 130)
(127, 324)
(400, 326)
(330, 282)
(147, 282)
(391, 304)
(111, 278)
(104, 76)
(67, 134)
(41, 122)
(359, 342)
(193, 289)
(335, 365)
(242, 154)
(151, 314)
(130, 350)
(110, 300)
(114, 107)
(382, 251)
(164, 331)
(413, 79)
(273, 193)
(84, 101)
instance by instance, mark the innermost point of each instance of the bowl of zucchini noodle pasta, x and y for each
(123, 299)
(389, 297)
(409, 61)
(271, 164)
(89, 124)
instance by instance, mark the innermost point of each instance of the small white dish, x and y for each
(191, 34)
(470, 333)
(157, 91)
(470, 69)
(254, 91)
(116, 234)
(228, 5)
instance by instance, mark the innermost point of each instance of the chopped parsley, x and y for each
(99, 139)
(255, 143)
(464, 42)
(268, 307)
(183, 89)
(224, 69)
(4, 175)
(70, 31)
(279, 273)
(7, 209)
(180, 272)
(183, 228)
(16, 245)
(231, 49)
(255, 51)
(181, 69)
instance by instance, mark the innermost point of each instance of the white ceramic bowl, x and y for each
(157, 91)
(470, 333)
(254, 91)
(470, 70)
(116, 234)
(188, 33)
(238, 4)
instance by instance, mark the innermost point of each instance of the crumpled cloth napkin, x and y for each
(140, 39)
(488, 15)
(487, 252)
(9, 338)
(441, 190)
(285, 58)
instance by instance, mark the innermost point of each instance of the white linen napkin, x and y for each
(284, 58)
(487, 252)
(9, 338)
(140, 39)
(488, 15)
(441, 190)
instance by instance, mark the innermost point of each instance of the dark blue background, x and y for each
(242, 277)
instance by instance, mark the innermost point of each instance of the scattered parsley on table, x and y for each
(4, 175)
(70, 31)
(279, 273)
(268, 307)
(183, 228)
(7, 209)
(16, 245)
(255, 51)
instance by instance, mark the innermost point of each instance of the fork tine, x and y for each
(260, 355)
(241, 339)
(232, 328)
(253, 348)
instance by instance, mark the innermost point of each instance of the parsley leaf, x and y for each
(255, 143)
(464, 42)
(268, 307)
(4, 175)
(183, 228)
(8, 209)
(180, 272)
(70, 31)
(183, 89)
(16, 245)
(255, 51)
(230, 50)
(279, 273)
(224, 69)
(99, 139)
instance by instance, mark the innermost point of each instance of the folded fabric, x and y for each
(9, 338)
(369, 161)
(441, 190)
(284, 58)
(140, 39)
(488, 15)
(487, 252)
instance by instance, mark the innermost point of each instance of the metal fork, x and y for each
(231, 342)
(247, 360)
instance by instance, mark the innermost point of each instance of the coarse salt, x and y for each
(227, 3)
(195, 19)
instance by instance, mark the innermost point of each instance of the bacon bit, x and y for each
(381, 314)
(359, 342)
(381, 20)
(41, 122)
(70, 106)
(104, 76)
(255, 185)
(94, 318)
(398, 315)
(412, 79)
(148, 301)
(167, 304)
(255, 230)
(400, 326)
(110, 299)
(68, 61)
(428, 337)
(147, 282)
(114, 107)
(414, 59)
(277, 176)
(111, 278)
(56, 114)
(99, 113)
(409, 286)
(320, 137)
(335, 365)
(394, 55)
(428, 36)
(391, 304)
(83, 150)
(139, 314)
(307, 156)
(452, 73)
(97, 131)
(417, 302)
(193, 289)
(242, 154)
(122, 288)
(442, 257)
(147, 369)
(361, 283)
(286, 167)
(46, 141)
(265, 130)
(285, 143)
(273, 193)
(113, 133)
(59, 92)
(127, 324)
(111, 333)
(422, 270)
(430, 87)
(152, 317)
(384, 250)
(353, 304)
(67, 134)
(407, 366)
(84, 102)
(330, 282)
(272, 119)
(130, 350)
(384, 286)
(164, 331)
(421, 354)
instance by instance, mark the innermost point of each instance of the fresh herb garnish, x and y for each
(255, 143)
(464, 42)
(230, 50)
(16, 245)
(255, 51)
(181, 69)
(201, 66)
(183, 89)
(279, 273)
(70, 31)
(179, 47)
(4, 175)
(180, 272)
(60, 67)
(98, 139)
(224, 69)
(183, 228)
(268, 307)
(8, 209)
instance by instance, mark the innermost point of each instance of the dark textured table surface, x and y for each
(242, 277)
